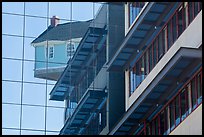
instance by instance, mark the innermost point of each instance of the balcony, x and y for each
(163, 88)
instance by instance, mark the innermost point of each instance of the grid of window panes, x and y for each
(26, 108)
(171, 31)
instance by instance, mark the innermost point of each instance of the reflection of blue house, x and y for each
(55, 46)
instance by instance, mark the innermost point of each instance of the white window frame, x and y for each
(49, 51)
(68, 49)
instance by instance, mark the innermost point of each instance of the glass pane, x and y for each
(28, 74)
(55, 119)
(29, 51)
(52, 133)
(11, 43)
(36, 8)
(174, 25)
(193, 93)
(153, 127)
(9, 120)
(8, 26)
(155, 52)
(34, 94)
(11, 92)
(10, 132)
(32, 132)
(172, 115)
(180, 21)
(199, 89)
(177, 117)
(162, 122)
(34, 115)
(150, 58)
(78, 9)
(156, 126)
(169, 34)
(34, 26)
(8, 71)
(56, 8)
(160, 46)
(13, 7)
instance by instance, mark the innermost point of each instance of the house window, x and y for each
(70, 50)
(51, 52)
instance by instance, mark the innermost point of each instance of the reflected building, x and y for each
(137, 70)
(56, 45)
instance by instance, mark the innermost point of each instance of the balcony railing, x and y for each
(171, 31)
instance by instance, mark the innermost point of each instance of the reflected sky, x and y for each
(22, 94)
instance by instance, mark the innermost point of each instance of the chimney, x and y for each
(54, 21)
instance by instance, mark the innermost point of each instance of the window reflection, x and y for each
(9, 120)
(8, 71)
(34, 115)
(11, 92)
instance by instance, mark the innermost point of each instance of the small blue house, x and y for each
(55, 46)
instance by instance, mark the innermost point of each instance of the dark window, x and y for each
(148, 130)
(138, 73)
(185, 20)
(169, 34)
(166, 123)
(172, 115)
(196, 8)
(190, 11)
(147, 62)
(155, 53)
(184, 99)
(161, 45)
(193, 93)
(180, 21)
(199, 88)
(177, 110)
(153, 127)
(150, 59)
(200, 4)
(156, 126)
(162, 122)
(174, 25)
(142, 68)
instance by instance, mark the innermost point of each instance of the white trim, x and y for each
(53, 51)
(55, 42)
(48, 51)
(52, 42)
(38, 69)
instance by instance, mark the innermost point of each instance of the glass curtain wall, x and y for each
(26, 108)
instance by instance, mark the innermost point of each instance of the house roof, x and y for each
(62, 31)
